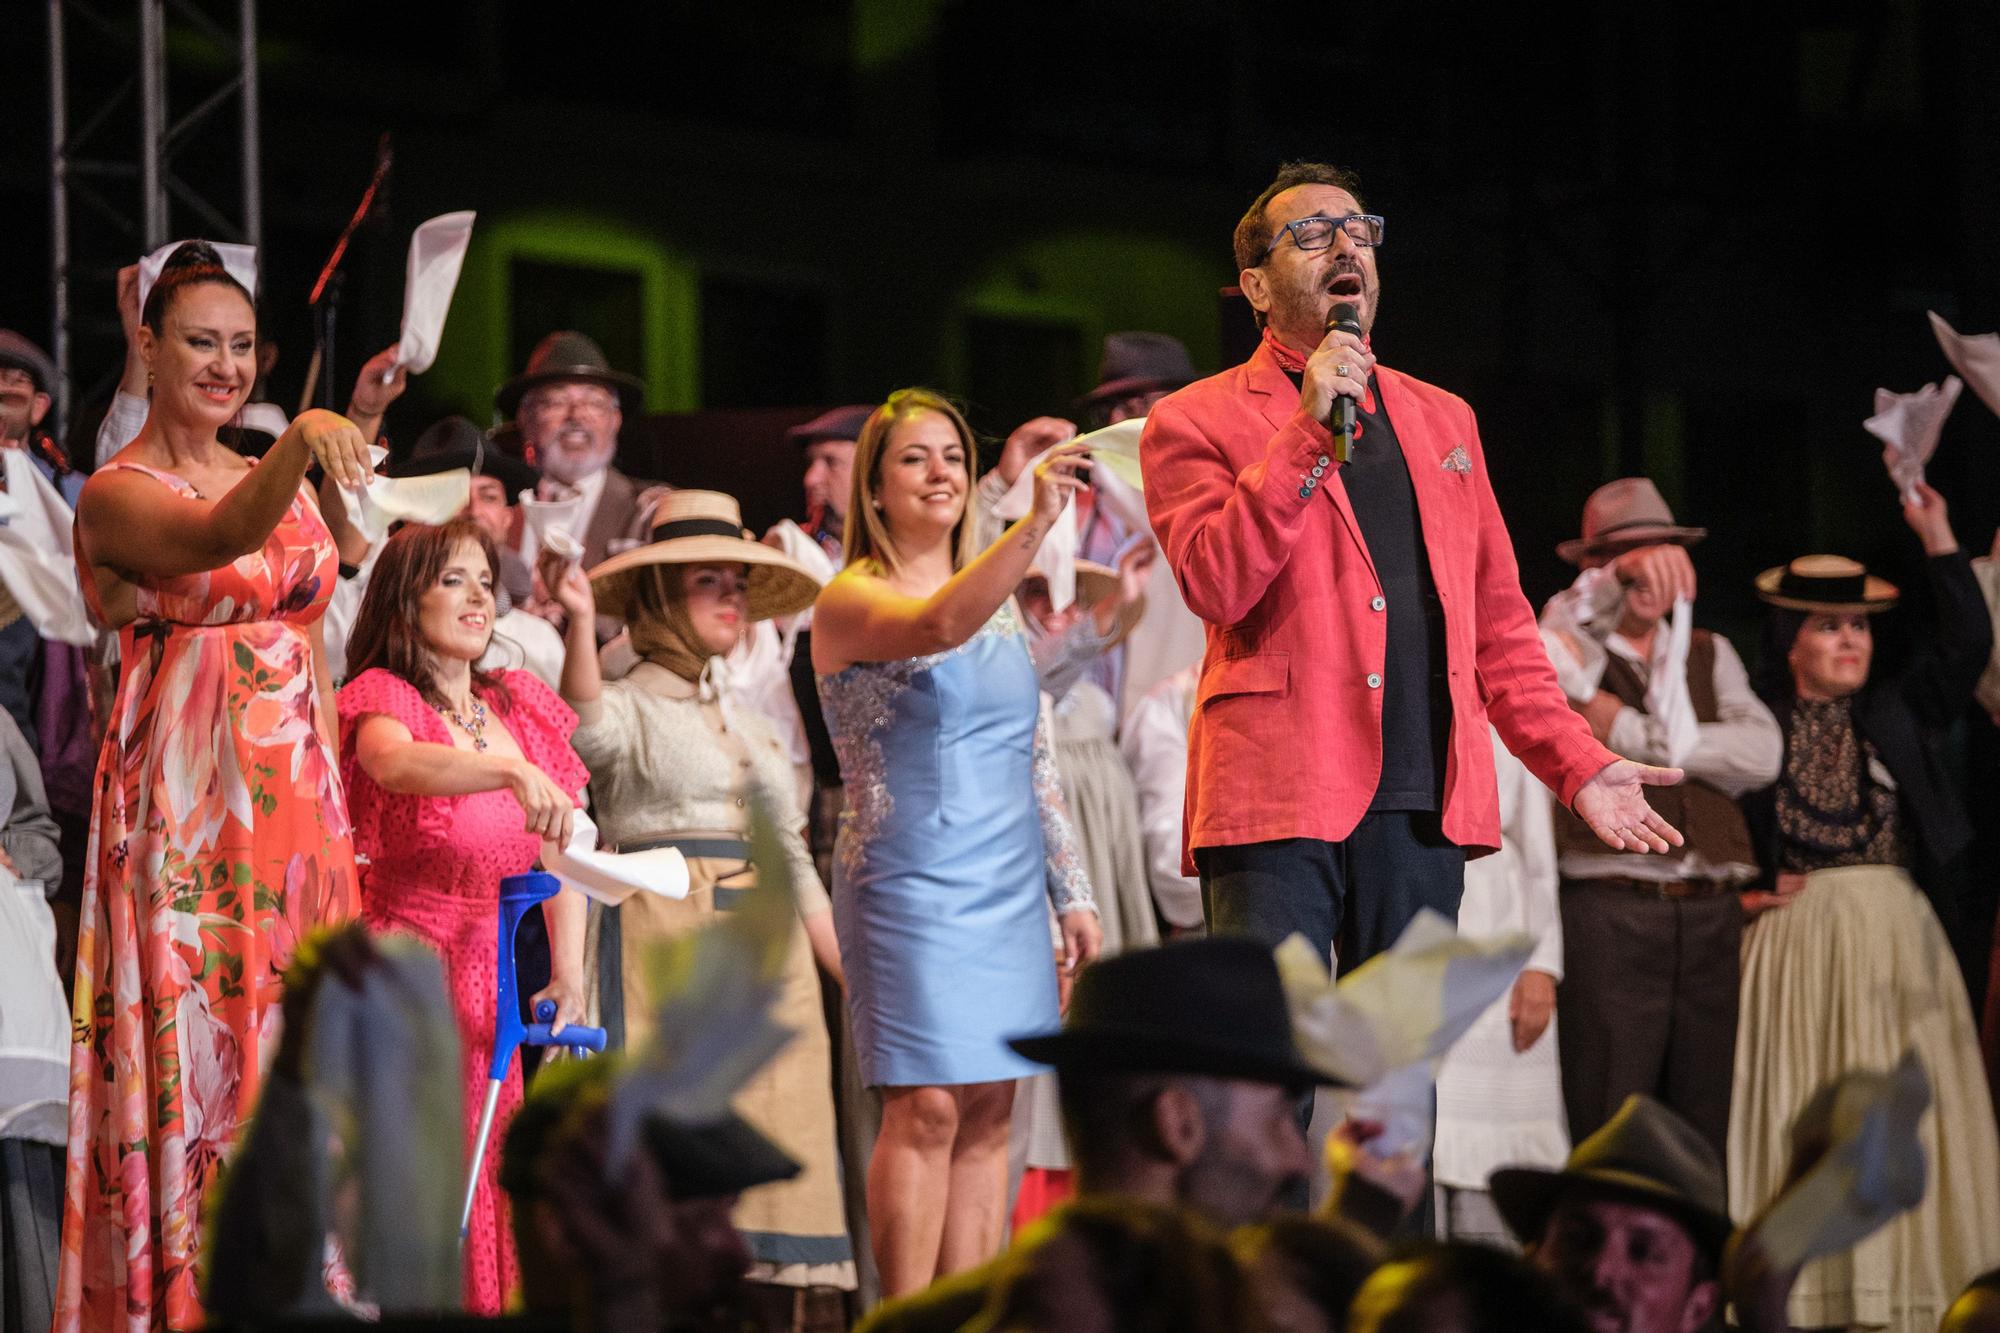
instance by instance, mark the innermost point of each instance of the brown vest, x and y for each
(1711, 822)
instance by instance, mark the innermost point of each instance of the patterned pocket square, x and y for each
(1456, 461)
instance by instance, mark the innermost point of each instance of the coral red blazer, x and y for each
(1286, 739)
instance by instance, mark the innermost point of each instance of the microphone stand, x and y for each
(325, 298)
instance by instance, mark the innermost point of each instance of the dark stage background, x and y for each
(1684, 239)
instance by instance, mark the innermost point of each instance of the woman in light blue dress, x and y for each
(955, 843)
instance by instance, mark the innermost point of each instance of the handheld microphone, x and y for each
(1343, 318)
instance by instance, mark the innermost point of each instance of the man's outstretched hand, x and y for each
(1614, 805)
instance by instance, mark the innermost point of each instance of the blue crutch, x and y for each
(517, 894)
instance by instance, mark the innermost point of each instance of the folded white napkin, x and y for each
(611, 878)
(239, 260)
(1668, 700)
(1908, 425)
(437, 252)
(550, 525)
(37, 557)
(1976, 356)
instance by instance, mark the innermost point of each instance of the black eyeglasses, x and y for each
(1316, 233)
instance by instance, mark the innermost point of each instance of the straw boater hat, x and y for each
(699, 528)
(1624, 514)
(1825, 583)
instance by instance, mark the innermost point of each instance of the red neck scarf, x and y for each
(1294, 363)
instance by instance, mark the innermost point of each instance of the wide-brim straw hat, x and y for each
(1828, 584)
(1095, 582)
(704, 528)
(1624, 514)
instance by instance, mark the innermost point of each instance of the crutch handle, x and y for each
(574, 1035)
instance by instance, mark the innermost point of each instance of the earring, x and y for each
(149, 377)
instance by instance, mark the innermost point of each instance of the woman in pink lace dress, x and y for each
(219, 832)
(455, 778)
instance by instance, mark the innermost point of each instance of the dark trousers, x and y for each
(1648, 1003)
(1358, 893)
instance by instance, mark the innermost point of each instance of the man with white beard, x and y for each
(567, 407)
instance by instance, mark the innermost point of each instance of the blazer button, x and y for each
(1374, 681)
(1318, 471)
(1325, 460)
(1376, 603)
(1305, 492)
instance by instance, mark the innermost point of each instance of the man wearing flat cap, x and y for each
(27, 390)
(1649, 1000)
(565, 410)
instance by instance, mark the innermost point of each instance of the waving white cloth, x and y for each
(1668, 701)
(550, 525)
(239, 260)
(1908, 425)
(1873, 1168)
(1401, 1007)
(611, 877)
(382, 502)
(37, 557)
(1976, 356)
(437, 252)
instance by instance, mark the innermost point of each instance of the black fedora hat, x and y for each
(19, 353)
(1645, 1154)
(455, 442)
(836, 423)
(1139, 363)
(569, 355)
(1209, 1006)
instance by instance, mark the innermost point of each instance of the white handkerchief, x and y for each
(437, 251)
(1404, 1102)
(1115, 448)
(1400, 1007)
(240, 260)
(611, 878)
(1668, 700)
(1975, 356)
(1908, 426)
(385, 501)
(539, 518)
(1057, 558)
(37, 559)
(266, 417)
(1873, 1168)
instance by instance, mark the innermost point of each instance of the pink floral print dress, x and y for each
(220, 838)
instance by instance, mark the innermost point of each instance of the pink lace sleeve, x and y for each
(377, 691)
(542, 723)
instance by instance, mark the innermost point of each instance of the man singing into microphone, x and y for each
(1364, 619)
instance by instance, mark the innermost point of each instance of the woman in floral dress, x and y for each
(457, 778)
(220, 832)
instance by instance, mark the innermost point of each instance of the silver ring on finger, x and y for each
(1340, 369)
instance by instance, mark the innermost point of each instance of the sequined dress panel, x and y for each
(953, 847)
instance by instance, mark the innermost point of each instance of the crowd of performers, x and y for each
(978, 779)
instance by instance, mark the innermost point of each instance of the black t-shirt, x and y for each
(1416, 703)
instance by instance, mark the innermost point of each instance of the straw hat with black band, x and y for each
(1826, 585)
(704, 528)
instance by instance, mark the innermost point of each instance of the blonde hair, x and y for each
(866, 537)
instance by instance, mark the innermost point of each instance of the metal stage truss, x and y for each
(115, 137)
